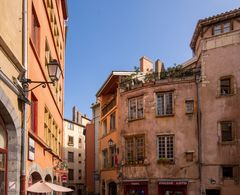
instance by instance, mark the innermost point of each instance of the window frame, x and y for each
(70, 173)
(226, 141)
(105, 158)
(232, 174)
(113, 121)
(69, 143)
(70, 158)
(164, 93)
(35, 30)
(139, 106)
(131, 144)
(231, 85)
(166, 149)
(187, 110)
(220, 28)
(112, 156)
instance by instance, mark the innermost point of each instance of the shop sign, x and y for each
(177, 183)
(31, 149)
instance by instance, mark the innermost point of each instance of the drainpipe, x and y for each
(197, 81)
(24, 125)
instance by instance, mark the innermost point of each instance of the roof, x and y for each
(110, 77)
(67, 120)
(212, 20)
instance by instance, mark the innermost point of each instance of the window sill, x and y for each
(167, 115)
(233, 142)
(165, 161)
(132, 120)
(225, 95)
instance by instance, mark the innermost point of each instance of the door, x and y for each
(112, 188)
(212, 192)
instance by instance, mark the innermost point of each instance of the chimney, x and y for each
(159, 67)
(146, 65)
(74, 111)
(79, 118)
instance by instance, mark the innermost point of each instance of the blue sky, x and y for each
(106, 35)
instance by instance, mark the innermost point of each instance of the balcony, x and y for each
(109, 106)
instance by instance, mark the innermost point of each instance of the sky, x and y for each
(107, 35)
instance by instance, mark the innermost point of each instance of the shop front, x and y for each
(176, 187)
(135, 188)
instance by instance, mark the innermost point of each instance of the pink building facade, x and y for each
(178, 127)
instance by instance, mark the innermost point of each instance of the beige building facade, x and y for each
(74, 151)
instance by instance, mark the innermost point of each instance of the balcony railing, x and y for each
(109, 106)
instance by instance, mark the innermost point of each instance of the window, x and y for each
(105, 158)
(165, 147)
(104, 127)
(79, 142)
(222, 28)
(226, 131)
(113, 121)
(135, 108)
(135, 149)
(35, 31)
(112, 156)
(70, 140)
(164, 104)
(79, 155)
(226, 86)
(227, 172)
(70, 174)
(70, 157)
(189, 106)
(70, 126)
(34, 113)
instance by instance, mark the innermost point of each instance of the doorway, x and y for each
(212, 192)
(112, 188)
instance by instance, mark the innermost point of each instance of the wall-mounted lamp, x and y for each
(110, 143)
(212, 181)
(54, 72)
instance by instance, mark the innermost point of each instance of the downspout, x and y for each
(24, 125)
(199, 130)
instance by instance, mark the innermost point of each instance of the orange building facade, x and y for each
(47, 39)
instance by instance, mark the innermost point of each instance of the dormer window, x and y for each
(222, 28)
